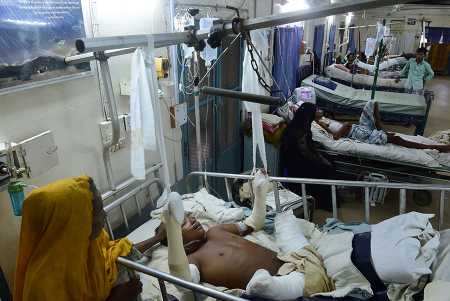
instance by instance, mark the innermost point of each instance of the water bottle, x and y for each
(17, 195)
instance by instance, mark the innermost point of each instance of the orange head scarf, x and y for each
(56, 259)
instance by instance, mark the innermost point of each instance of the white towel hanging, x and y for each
(141, 112)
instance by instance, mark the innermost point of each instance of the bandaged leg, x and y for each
(287, 287)
(289, 233)
(261, 186)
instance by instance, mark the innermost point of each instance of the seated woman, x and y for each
(64, 252)
(370, 130)
(300, 158)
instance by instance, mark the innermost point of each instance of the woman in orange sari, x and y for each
(64, 252)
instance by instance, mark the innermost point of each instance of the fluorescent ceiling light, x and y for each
(294, 5)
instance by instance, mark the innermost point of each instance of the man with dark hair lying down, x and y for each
(370, 130)
(222, 257)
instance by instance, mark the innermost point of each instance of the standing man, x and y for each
(418, 71)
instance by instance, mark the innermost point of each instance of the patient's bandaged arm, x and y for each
(261, 186)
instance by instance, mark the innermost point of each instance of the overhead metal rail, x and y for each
(262, 99)
(103, 44)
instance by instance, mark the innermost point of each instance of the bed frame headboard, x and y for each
(131, 190)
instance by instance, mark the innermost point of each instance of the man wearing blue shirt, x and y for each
(418, 71)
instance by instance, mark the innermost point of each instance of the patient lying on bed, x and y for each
(222, 257)
(370, 130)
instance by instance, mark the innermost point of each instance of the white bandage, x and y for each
(287, 287)
(172, 216)
(261, 186)
(289, 232)
(195, 273)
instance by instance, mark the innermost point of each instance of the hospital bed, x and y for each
(394, 107)
(363, 81)
(397, 163)
(159, 284)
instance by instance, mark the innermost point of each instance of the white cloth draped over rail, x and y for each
(145, 110)
(250, 84)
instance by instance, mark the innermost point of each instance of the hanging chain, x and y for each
(254, 64)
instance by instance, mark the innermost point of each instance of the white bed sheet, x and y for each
(205, 208)
(428, 158)
(362, 79)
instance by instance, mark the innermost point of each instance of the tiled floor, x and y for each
(352, 208)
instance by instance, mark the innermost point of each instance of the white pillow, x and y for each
(404, 247)
(336, 251)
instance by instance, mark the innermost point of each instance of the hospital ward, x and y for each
(197, 150)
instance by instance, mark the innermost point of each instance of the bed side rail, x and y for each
(402, 187)
(161, 276)
(129, 190)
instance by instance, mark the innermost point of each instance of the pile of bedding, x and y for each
(428, 158)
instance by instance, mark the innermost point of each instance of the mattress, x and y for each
(427, 158)
(208, 210)
(390, 102)
(364, 80)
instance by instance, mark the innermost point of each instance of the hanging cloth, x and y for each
(250, 84)
(351, 40)
(319, 33)
(287, 42)
(145, 111)
(331, 38)
(157, 113)
(141, 115)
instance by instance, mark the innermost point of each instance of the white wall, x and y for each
(72, 110)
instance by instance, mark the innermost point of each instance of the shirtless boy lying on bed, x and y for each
(222, 257)
(370, 130)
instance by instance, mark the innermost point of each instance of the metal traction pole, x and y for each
(174, 38)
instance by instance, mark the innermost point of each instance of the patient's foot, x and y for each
(287, 287)
(260, 284)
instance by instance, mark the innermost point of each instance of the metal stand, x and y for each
(198, 137)
(113, 116)
(380, 54)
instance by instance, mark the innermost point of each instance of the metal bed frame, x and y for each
(420, 122)
(357, 165)
(199, 289)
(366, 87)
